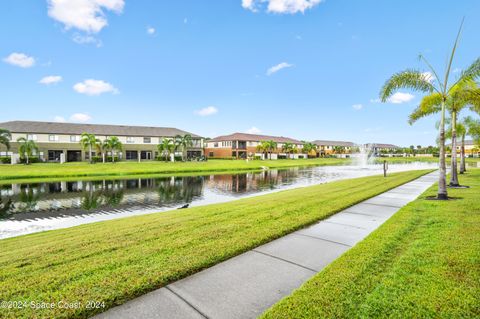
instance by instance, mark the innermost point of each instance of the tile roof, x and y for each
(98, 129)
(333, 143)
(254, 137)
(380, 145)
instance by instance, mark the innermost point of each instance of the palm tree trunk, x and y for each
(442, 178)
(90, 154)
(463, 169)
(454, 172)
(103, 157)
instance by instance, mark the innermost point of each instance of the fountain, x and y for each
(365, 156)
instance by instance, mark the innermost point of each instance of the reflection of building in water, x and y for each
(251, 182)
(82, 196)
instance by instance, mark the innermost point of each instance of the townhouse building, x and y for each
(243, 145)
(62, 140)
(326, 147)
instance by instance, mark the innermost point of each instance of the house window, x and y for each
(74, 138)
(215, 144)
(131, 155)
(210, 154)
(130, 139)
(147, 140)
(53, 138)
(31, 137)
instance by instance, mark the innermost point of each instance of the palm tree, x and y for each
(263, 147)
(461, 131)
(88, 141)
(288, 148)
(270, 147)
(183, 143)
(26, 148)
(463, 94)
(309, 147)
(166, 147)
(102, 147)
(338, 149)
(114, 145)
(5, 137)
(418, 81)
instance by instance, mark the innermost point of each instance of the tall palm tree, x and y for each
(114, 145)
(461, 131)
(463, 94)
(418, 81)
(5, 137)
(183, 143)
(27, 148)
(88, 141)
(166, 147)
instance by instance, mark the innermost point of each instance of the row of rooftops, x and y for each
(35, 127)
(283, 139)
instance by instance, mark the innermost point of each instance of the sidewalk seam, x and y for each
(319, 238)
(186, 301)
(287, 261)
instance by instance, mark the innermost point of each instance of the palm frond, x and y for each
(429, 104)
(408, 79)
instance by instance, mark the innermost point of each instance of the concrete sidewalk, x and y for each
(246, 285)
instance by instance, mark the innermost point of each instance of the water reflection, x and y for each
(26, 208)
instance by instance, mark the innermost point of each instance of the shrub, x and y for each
(257, 157)
(5, 160)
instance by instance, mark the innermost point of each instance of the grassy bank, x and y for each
(55, 170)
(395, 160)
(422, 263)
(118, 260)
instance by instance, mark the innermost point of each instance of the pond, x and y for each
(28, 208)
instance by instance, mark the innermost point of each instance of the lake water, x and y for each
(28, 208)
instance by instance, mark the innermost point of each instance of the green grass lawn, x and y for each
(55, 170)
(117, 260)
(424, 262)
(394, 160)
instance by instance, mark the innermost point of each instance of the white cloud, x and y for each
(400, 97)
(85, 15)
(59, 119)
(151, 30)
(185, 20)
(280, 6)
(20, 59)
(80, 117)
(428, 76)
(206, 111)
(254, 130)
(377, 100)
(86, 39)
(94, 87)
(51, 79)
(278, 67)
(357, 106)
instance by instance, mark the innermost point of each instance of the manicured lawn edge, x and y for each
(40, 172)
(118, 260)
(421, 263)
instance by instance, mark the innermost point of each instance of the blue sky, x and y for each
(299, 68)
